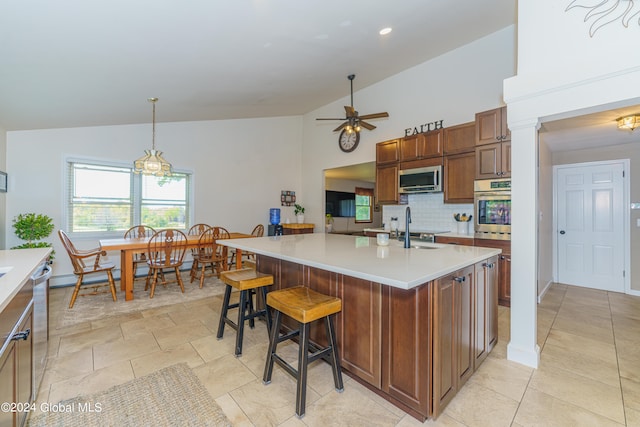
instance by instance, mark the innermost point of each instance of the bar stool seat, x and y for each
(247, 281)
(305, 306)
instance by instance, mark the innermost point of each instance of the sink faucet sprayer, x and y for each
(407, 238)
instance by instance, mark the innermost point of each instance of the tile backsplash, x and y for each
(428, 212)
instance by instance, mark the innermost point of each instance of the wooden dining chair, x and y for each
(165, 250)
(258, 231)
(87, 262)
(139, 231)
(209, 253)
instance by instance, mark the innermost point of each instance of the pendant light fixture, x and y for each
(152, 163)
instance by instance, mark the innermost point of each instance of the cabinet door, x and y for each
(505, 159)
(325, 282)
(444, 348)
(459, 174)
(359, 338)
(504, 282)
(491, 126)
(24, 364)
(433, 144)
(460, 138)
(7, 383)
(488, 161)
(387, 152)
(465, 321)
(411, 147)
(486, 308)
(406, 342)
(387, 184)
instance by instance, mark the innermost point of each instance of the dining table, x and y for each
(130, 246)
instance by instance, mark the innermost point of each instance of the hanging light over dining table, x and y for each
(152, 163)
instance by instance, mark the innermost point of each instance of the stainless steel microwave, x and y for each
(421, 180)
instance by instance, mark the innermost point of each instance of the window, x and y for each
(364, 205)
(105, 198)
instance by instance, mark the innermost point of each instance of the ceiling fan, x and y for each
(350, 135)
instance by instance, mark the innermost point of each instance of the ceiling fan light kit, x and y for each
(353, 123)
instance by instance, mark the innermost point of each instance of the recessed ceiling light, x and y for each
(385, 31)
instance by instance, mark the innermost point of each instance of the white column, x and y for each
(524, 236)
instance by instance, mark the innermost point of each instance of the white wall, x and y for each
(240, 167)
(545, 209)
(452, 87)
(562, 72)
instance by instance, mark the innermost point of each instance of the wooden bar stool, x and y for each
(303, 305)
(247, 281)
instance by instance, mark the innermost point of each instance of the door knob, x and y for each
(562, 231)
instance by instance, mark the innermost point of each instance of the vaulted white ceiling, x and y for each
(71, 63)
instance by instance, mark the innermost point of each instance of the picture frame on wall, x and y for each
(3, 182)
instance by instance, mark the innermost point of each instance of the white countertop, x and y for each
(23, 263)
(361, 257)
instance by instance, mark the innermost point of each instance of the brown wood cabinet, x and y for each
(406, 344)
(454, 240)
(16, 369)
(493, 160)
(491, 126)
(414, 347)
(297, 229)
(388, 151)
(422, 146)
(459, 174)
(387, 184)
(453, 344)
(486, 310)
(460, 138)
(504, 268)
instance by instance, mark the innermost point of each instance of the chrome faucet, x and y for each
(407, 238)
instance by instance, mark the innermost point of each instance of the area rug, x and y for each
(101, 306)
(172, 396)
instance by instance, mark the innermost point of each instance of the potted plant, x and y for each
(33, 228)
(299, 213)
(329, 223)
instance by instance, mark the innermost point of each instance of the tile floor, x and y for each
(589, 373)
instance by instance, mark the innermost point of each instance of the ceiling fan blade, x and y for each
(375, 116)
(350, 111)
(366, 125)
(336, 118)
(341, 126)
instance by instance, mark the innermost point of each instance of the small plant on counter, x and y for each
(298, 209)
(33, 228)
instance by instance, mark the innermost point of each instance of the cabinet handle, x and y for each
(21, 335)
(488, 264)
(460, 279)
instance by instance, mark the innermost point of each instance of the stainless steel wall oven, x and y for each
(492, 209)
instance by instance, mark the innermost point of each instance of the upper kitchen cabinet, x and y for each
(493, 160)
(460, 138)
(459, 174)
(387, 152)
(491, 126)
(422, 146)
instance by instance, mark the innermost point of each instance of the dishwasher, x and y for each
(40, 280)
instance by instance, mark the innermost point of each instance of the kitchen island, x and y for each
(415, 323)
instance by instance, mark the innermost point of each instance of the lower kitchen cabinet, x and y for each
(16, 370)
(406, 337)
(486, 308)
(359, 333)
(504, 267)
(453, 333)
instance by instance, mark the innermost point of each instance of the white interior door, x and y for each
(590, 225)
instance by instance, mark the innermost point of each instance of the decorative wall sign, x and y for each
(601, 13)
(3, 182)
(287, 198)
(426, 127)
